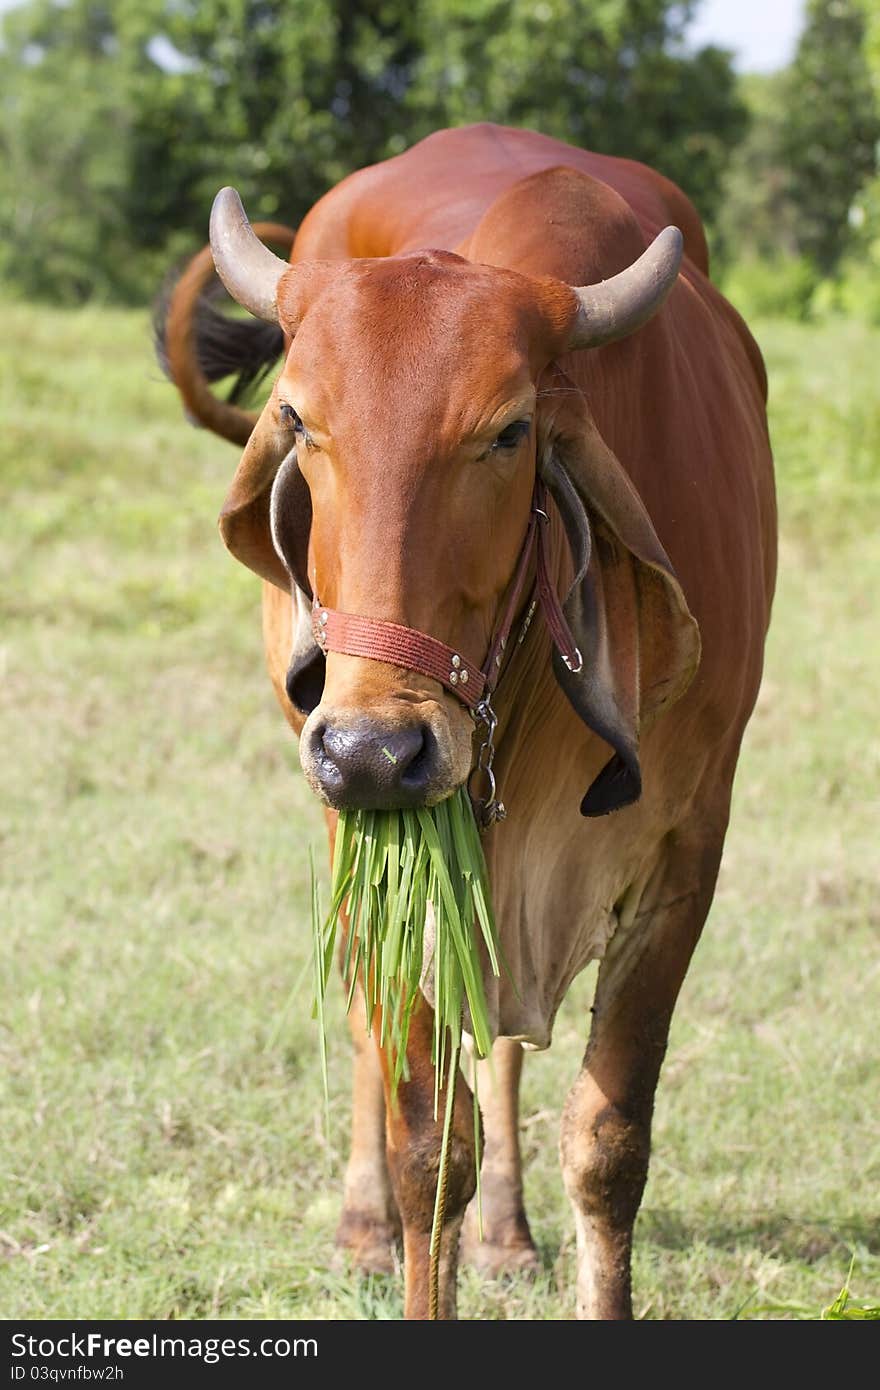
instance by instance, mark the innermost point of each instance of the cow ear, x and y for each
(245, 519)
(639, 643)
(265, 523)
(290, 519)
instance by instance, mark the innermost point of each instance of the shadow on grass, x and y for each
(791, 1237)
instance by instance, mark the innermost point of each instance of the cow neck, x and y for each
(473, 684)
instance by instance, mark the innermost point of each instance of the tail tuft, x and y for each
(242, 348)
(196, 344)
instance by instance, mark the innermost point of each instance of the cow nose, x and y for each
(373, 766)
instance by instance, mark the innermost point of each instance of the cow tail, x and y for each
(196, 344)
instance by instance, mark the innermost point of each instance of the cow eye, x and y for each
(290, 418)
(291, 421)
(511, 435)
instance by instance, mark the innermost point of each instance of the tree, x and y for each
(830, 128)
(613, 77)
(757, 218)
(64, 155)
(867, 206)
(119, 119)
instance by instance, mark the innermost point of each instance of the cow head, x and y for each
(390, 475)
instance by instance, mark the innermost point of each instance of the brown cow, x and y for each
(391, 474)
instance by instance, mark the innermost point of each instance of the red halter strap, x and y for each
(378, 640)
(400, 646)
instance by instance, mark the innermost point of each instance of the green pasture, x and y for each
(162, 1151)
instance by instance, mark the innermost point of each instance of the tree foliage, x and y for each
(801, 198)
(865, 243)
(119, 119)
(612, 77)
(64, 140)
(757, 218)
(829, 133)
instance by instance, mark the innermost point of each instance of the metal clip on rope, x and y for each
(488, 808)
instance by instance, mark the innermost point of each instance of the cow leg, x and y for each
(369, 1225)
(606, 1122)
(414, 1145)
(507, 1245)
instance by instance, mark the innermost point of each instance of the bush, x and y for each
(855, 294)
(778, 288)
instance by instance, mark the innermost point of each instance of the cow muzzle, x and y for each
(358, 761)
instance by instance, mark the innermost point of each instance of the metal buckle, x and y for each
(580, 662)
(488, 809)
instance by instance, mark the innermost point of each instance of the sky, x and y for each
(762, 33)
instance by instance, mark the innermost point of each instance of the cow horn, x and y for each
(619, 306)
(248, 269)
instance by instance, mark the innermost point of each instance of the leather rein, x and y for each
(471, 683)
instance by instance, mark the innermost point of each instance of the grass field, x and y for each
(162, 1144)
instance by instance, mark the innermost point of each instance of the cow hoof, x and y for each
(498, 1261)
(494, 1259)
(507, 1246)
(371, 1245)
